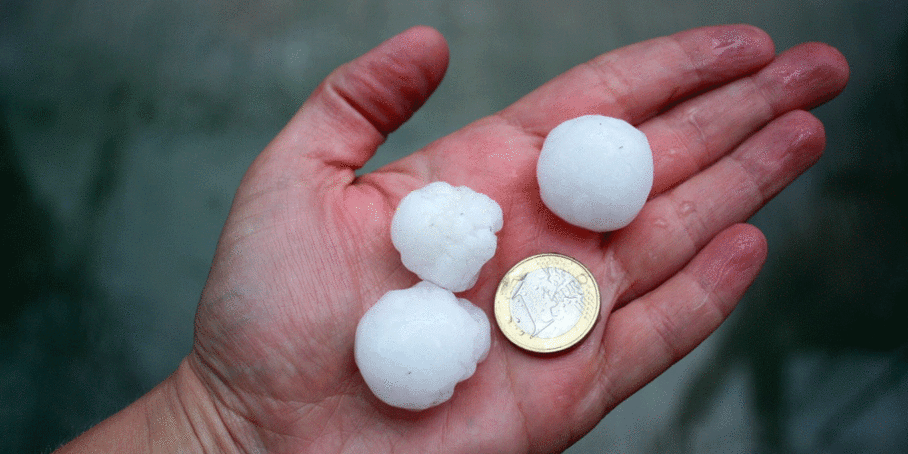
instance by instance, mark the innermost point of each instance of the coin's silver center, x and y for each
(547, 302)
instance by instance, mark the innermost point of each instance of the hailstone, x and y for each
(445, 234)
(595, 172)
(414, 345)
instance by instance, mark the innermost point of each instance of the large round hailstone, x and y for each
(595, 172)
(414, 345)
(445, 233)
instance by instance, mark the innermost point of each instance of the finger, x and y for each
(351, 113)
(644, 338)
(635, 82)
(696, 133)
(672, 227)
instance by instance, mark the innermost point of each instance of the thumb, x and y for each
(354, 109)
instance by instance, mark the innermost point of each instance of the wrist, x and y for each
(176, 416)
(183, 417)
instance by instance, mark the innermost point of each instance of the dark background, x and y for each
(126, 126)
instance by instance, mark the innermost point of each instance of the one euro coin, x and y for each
(547, 303)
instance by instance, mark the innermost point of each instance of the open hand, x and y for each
(306, 249)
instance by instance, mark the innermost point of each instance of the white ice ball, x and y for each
(595, 172)
(445, 234)
(414, 345)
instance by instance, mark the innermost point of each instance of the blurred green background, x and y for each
(125, 128)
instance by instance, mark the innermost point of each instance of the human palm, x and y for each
(306, 249)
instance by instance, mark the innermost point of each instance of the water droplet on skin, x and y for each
(729, 42)
(688, 208)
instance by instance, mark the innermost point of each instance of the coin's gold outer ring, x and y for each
(591, 303)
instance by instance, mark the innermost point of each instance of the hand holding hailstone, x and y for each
(410, 354)
(305, 252)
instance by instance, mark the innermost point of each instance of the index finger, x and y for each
(636, 82)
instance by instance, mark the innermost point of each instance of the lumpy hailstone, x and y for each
(595, 172)
(414, 345)
(445, 233)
